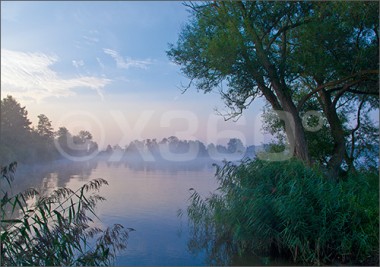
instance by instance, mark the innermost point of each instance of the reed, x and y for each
(57, 229)
(285, 209)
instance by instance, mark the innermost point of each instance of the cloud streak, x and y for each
(128, 62)
(29, 75)
(91, 40)
(78, 63)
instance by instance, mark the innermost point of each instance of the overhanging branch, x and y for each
(335, 83)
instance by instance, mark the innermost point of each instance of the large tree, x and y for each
(297, 55)
(44, 127)
(14, 118)
(44, 139)
(15, 131)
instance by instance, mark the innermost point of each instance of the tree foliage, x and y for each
(44, 128)
(15, 130)
(25, 143)
(297, 55)
(300, 56)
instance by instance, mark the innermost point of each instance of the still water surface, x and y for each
(140, 196)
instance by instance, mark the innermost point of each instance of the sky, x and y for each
(102, 67)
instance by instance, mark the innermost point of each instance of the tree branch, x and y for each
(345, 102)
(363, 93)
(283, 58)
(184, 88)
(267, 92)
(287, 27)
(345, 88)
(355, 129)
(377, 34)
(195, 7)
(270, 28)
(334, 83)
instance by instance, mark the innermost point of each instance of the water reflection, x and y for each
(161, 165)
(141, 195)
(47, 177)
(220, 252)
(147, 199)
(146, 196)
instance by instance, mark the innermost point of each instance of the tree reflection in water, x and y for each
(55, 174)
(220, 251)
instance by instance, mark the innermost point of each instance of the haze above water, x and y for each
(138, 196)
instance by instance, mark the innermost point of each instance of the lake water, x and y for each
(145, 197)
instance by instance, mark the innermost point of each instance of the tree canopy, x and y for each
(20, 141)
(299, 56)
(15, 129)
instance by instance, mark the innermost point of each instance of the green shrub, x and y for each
(55, 230)
(288, 210)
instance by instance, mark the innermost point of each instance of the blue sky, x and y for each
(103, 66)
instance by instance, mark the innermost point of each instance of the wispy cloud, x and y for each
(90, 40)
(100, 63)
(128, 62)
(29, 75)
(78, 63)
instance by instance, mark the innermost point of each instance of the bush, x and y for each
(285, 209)
(55, 230)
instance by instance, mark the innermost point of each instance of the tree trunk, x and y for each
(297, 134)
(300, 145)
(337, 133)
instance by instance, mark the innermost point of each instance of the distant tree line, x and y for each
(22, 142)
(173, 149)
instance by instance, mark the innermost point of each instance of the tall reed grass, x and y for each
(56, 229)
(285, 209)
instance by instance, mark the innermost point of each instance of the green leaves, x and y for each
(53, 230)
(284, 206)
(300, 56)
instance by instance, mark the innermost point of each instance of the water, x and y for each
(145, 197)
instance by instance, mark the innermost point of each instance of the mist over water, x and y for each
(142, 195)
